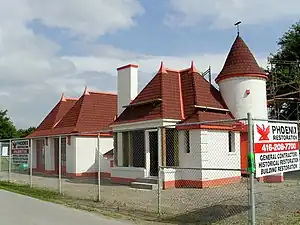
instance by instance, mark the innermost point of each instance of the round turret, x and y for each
(242, 83)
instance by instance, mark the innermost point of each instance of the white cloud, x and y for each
(221, 14)
(33, 76)
(87, 18)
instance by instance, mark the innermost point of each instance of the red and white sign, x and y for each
(276, 148)
(20, 151)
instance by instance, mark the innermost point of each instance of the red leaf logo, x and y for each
(264, 132)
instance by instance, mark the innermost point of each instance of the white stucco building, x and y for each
(75, 123)
(163, 124)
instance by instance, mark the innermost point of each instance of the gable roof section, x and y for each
(159, 99)
(240, 61)
(201, 100)
(176, 95)
(94, 111)
(55, 115)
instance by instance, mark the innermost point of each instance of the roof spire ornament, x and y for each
(63, 98)
(162, 69)
(193, 68)
(86, 92)
(238, 27)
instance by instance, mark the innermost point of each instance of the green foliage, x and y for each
(8, 129)
(25, 132)
(286, 74)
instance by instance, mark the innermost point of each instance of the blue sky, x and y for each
(47, 49)
(152, 36)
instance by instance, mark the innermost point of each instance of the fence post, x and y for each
(31, 157)
(9, 163)
(159, 182)
(251, 170)
(99, 168)
(59, 165)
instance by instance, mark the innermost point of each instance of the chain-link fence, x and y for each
(197, 173)
(202, 172)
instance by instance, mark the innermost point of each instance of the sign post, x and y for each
(276, 148)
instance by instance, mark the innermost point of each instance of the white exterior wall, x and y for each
(49, 155)
(233, 91)
(86, 156)
(71, 151)
(192, 159)
(127, 86)
(208, 149)
(34, 155)
(215, 154)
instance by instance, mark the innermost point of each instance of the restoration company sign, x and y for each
(276, 148)
(20, 151)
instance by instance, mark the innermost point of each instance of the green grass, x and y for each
(98, 207)
(5, 164)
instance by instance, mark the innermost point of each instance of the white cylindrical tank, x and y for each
(245, 94)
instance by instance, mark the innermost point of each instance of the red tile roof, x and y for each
(240, 61)
(93, 111)
(55, 115)
(174, 94)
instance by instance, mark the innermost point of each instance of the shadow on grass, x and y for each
(208, 215)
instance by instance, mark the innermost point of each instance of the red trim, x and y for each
(184, 183)
(271, 179)
(69, 140)
(127, 66)
(96, 135)
(199, 183)
(88, 174)
(180, 97)
(218, 79)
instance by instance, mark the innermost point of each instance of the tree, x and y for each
(7, 128)
(285, 72)
(25, 132)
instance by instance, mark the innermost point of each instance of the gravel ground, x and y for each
(219, 205)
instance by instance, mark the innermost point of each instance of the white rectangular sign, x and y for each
(4, 151)
(20, 151)
(276, 148)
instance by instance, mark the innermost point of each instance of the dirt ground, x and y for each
(218, 205)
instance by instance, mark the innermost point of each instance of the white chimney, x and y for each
(127, 85)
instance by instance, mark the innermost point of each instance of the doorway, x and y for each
(153, 148)
(63, 155)
(40, 154)
(244, 152)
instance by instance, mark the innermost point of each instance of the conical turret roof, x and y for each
(240, 62)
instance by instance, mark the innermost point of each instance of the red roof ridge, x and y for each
(102, 92)
(162, 69)
(71, 99)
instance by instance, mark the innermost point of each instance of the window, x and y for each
(138, 148)
(231, 141)
(133, 148)
(126, 147)
(187, 141)
(172, 158)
